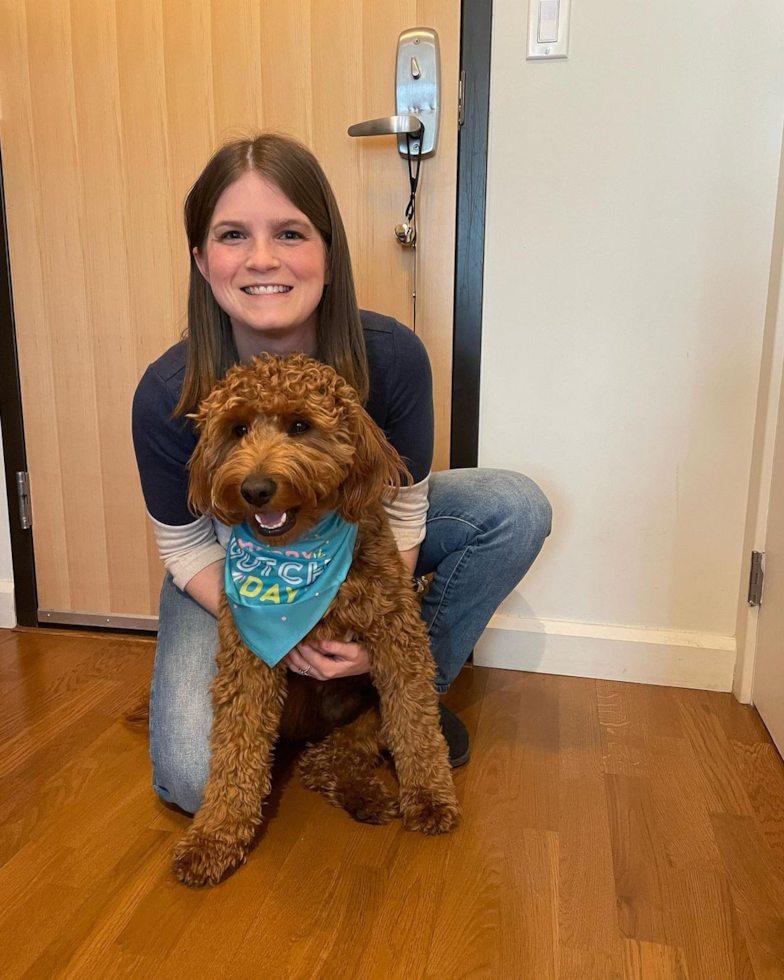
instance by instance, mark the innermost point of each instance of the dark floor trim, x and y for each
(25, 592)
(475, 34)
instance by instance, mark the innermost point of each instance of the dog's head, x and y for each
(284, 440)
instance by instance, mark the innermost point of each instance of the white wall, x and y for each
(631, 202)
(7, 614)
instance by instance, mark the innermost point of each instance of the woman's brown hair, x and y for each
(292, 168)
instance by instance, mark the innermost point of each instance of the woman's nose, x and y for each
(263, 256)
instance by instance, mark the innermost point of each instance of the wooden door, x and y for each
(108, 113)
(768, 684)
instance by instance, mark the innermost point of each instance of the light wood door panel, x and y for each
(108, 111)
(768, 685)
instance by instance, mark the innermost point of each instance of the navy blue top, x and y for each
(400, 402)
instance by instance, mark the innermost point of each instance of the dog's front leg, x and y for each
(403, 673)
(247, 700)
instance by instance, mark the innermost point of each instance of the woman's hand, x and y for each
(329, 660)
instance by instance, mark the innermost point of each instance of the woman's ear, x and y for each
(201, 262)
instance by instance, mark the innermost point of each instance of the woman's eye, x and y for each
(298, 427)
(230, 236)
(240, 431)
(290, 236)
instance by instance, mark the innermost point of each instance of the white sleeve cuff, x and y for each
(188, 548)
(407, 514)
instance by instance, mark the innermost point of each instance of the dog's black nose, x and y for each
(258, 491)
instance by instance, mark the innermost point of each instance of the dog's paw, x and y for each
(372, 810)
(201, 860)
(428, 815)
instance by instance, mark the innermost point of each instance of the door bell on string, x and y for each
(404, 233)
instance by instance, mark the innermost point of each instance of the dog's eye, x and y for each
(298, 427)
(240, 431)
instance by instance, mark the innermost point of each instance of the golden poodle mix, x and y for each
(290, 459)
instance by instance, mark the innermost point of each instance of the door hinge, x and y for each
(756, 578)
(23, 492)
(461, 100)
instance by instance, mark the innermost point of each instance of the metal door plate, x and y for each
(418, 85)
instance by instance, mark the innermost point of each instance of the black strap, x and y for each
(413, 180)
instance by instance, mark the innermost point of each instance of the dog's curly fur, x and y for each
(341, 461)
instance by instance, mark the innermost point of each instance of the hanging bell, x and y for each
(404, 233)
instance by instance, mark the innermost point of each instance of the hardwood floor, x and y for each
(611, 831)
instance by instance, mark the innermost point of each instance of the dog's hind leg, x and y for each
(344, 768)
(247, 698)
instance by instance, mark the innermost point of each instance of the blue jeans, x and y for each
(484, 530)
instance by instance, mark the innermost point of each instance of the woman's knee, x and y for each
(521, 509)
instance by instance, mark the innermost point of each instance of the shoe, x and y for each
(456, 735)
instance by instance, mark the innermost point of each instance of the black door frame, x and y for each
(475, 36)
(475, 33)
(25, 591)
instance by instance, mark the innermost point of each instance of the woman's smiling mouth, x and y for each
(265, 290)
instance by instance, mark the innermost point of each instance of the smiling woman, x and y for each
(271, 272)
(266, 266)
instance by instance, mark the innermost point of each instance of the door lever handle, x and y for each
(388, 126)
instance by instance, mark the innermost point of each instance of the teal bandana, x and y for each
(277, 595)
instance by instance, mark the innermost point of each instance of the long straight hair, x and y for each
(295, 171)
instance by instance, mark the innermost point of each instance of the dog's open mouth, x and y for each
(270, 523)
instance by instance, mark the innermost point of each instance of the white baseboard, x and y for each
(616, 653)
(7, 607)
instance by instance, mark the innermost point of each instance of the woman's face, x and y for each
(266, 265)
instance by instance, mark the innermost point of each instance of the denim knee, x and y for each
(521, 508)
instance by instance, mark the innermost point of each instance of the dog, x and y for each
(284, 446)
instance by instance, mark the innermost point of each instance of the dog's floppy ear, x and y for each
(377, 471)
(200, 465)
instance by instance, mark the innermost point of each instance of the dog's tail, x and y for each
(138, 717)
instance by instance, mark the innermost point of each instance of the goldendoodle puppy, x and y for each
(288, 457)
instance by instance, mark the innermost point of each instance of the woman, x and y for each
(270, 271)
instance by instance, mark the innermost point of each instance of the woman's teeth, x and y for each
(265, 290)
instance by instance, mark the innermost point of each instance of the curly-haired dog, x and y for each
(285, 445)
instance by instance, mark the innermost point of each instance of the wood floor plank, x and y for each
(623, 742)
(649, 961)
(580, 964)
(588, 917)
(762, 772)
(96, 955)
(306, 920)
(588, 910)
(534, 738)
(702, 922)
(86, 783)
(72, 926)
(681, 819)
(757, 890)
(507, 925)
(714, 755)
(580, 752)
(741, 722)
(642, 876)
(43, 760)
(61, 677)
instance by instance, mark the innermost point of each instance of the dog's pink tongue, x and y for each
(271, 518)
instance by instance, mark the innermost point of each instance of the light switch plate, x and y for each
(540, 16)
